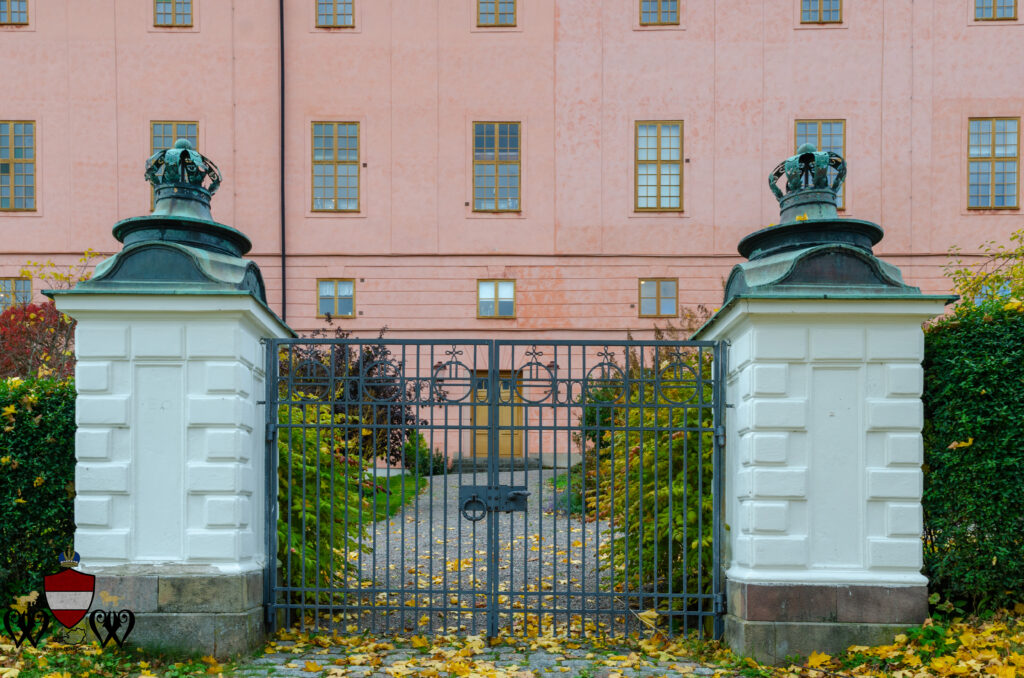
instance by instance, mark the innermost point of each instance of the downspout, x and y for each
(284, 247)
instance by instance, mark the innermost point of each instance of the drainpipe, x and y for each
(284, 248)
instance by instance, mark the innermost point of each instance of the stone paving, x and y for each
(471, 657)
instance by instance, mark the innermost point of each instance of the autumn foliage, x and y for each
(36, 339)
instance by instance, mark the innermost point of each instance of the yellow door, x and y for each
(510, 435)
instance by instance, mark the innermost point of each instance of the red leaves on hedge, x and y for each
(36, 339)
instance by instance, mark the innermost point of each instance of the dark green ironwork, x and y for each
(179, 248)
(490, 544)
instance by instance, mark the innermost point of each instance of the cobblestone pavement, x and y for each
(471, 657)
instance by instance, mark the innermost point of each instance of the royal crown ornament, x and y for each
(808, 194)
(71, 560)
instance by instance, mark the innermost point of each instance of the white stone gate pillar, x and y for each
(823, 472)
(171, 475)
(823, 428)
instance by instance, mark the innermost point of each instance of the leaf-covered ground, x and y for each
(990, 647)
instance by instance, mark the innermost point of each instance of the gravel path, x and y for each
(428, 569)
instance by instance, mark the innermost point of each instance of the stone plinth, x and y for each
(171, 475)
(823, 471)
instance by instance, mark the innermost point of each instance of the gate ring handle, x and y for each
(474, 509)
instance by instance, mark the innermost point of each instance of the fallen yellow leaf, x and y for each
(817, 659)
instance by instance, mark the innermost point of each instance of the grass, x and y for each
(400, 490)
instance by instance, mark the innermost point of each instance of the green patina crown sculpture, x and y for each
(813, 252)
(179, 248)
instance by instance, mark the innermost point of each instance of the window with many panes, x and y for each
(172, 12)
(335, 166)
(496, 166)
(164, 133)
(659, 12)
(14, 291)
(993, 153)
(335, 13)
(336, 298)
(826, 135)
(659, 174)
(17, 165)
(495, 12)
(995, 10)
(821, 11)
(13, 12)
(496, 298)
(658, 297)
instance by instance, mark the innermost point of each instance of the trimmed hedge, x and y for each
(974, 454)
(37, 474)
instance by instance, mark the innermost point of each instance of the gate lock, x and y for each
(477, 500)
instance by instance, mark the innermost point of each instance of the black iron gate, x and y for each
(492, 486)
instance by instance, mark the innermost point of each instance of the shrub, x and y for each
(37, 472)
(974, 453)
(36, 339)
(420, 459)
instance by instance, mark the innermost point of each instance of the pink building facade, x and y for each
(398, 113)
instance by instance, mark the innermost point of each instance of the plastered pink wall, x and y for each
(577, 74)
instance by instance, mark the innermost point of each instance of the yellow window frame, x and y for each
(995, 7)
(657, 298)
(497, 163)
(335, 297)
(497, 15)
(818, 122)
(174, 14)
(661, 12)
(334, 164)
(175, 135)
(658, 161)
(12, 161)
(5, 17)
(14, 291)
(821, 13)
(494, 282)
(334, 14)
(992, 159)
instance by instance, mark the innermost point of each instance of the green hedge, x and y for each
(974, 454)
(37, 474)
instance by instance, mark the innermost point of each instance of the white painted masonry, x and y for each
(170, 441)
(823, 459)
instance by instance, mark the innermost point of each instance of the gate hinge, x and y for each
(719, 603)
(720, 436)
(270, 432)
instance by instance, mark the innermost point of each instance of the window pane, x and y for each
(648, 288)
(346, 288)
(668, 307)
(648, 307)
(485, 290)
(506, 290)
(668, 288)
(486, 307)
(346, 306)
(326, 288)
(506, 308)
(326, 306)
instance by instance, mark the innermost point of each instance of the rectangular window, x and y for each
(335, 14)
(826, 135)
(336, 298)
(659, 175)
(821, 11)
(659, 12)
(496, 299)
(17, 165)
(335, 166)
(495, 12)
(164, 133)
(658, 297)
(496, 159)
(13, 12)
(172, 13)
(14, 291)
(995, 10)
(993, 152)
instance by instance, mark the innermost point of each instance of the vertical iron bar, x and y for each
(493, 448)
(718, 494)
(271, 498)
